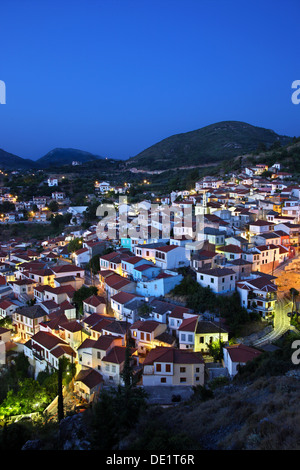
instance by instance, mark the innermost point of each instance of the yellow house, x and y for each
(207, 332)
(73, 333)
(171, 366)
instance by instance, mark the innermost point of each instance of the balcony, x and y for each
(264, 298)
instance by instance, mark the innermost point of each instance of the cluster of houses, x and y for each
(249, 228)
(36, 209)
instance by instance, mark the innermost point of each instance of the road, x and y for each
(283, 306)
(281, 322)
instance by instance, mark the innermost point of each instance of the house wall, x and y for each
(2, 353)
(202, 339)
(217, 286)
(194, 374)
(157, 287)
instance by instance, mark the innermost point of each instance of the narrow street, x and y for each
(281, 322)
(283, 305)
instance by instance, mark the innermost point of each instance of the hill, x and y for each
(64, 156)
(210, 144)
(9, 161)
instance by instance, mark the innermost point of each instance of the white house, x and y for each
(238, 355)
(220, 280)
(259, 294)
(52, 182)
(171, 257)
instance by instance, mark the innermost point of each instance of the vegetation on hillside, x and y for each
(213, 143)
(203, 299)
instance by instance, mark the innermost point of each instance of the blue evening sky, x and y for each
(113, 77)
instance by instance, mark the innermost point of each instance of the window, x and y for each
(190, 338)
(197, 369)
(201, 339)
(212, 280)
(158, 367)
(182, 369)
(163, 380)
(183, 337)
(168, 367)
(182, 379)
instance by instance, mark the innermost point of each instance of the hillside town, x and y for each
(233, 236)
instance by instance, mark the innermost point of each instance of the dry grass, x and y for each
(262, 416)
(251, 327)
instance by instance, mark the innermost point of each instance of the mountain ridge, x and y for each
(210, 144)
(65, 156)
(55, 157)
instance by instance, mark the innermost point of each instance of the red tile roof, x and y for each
(230, 249)
(123, 297)
(105, 341)
(172, 355)
(6, 304)
(166, 248)
(89, 377)
(241, 353)
(47, 340)
(95, 300)
(148, 326)
(117, 355)
(133, 259)
(189, 324)
(66, 268)
(63, 349)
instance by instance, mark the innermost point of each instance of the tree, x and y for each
(60, 398)
(216, 350)
(94, 264)
(53, 206)
(30, 397)
(115, 414)
(83, 293)
(294, 293)
(75, 244)
(127, 373)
